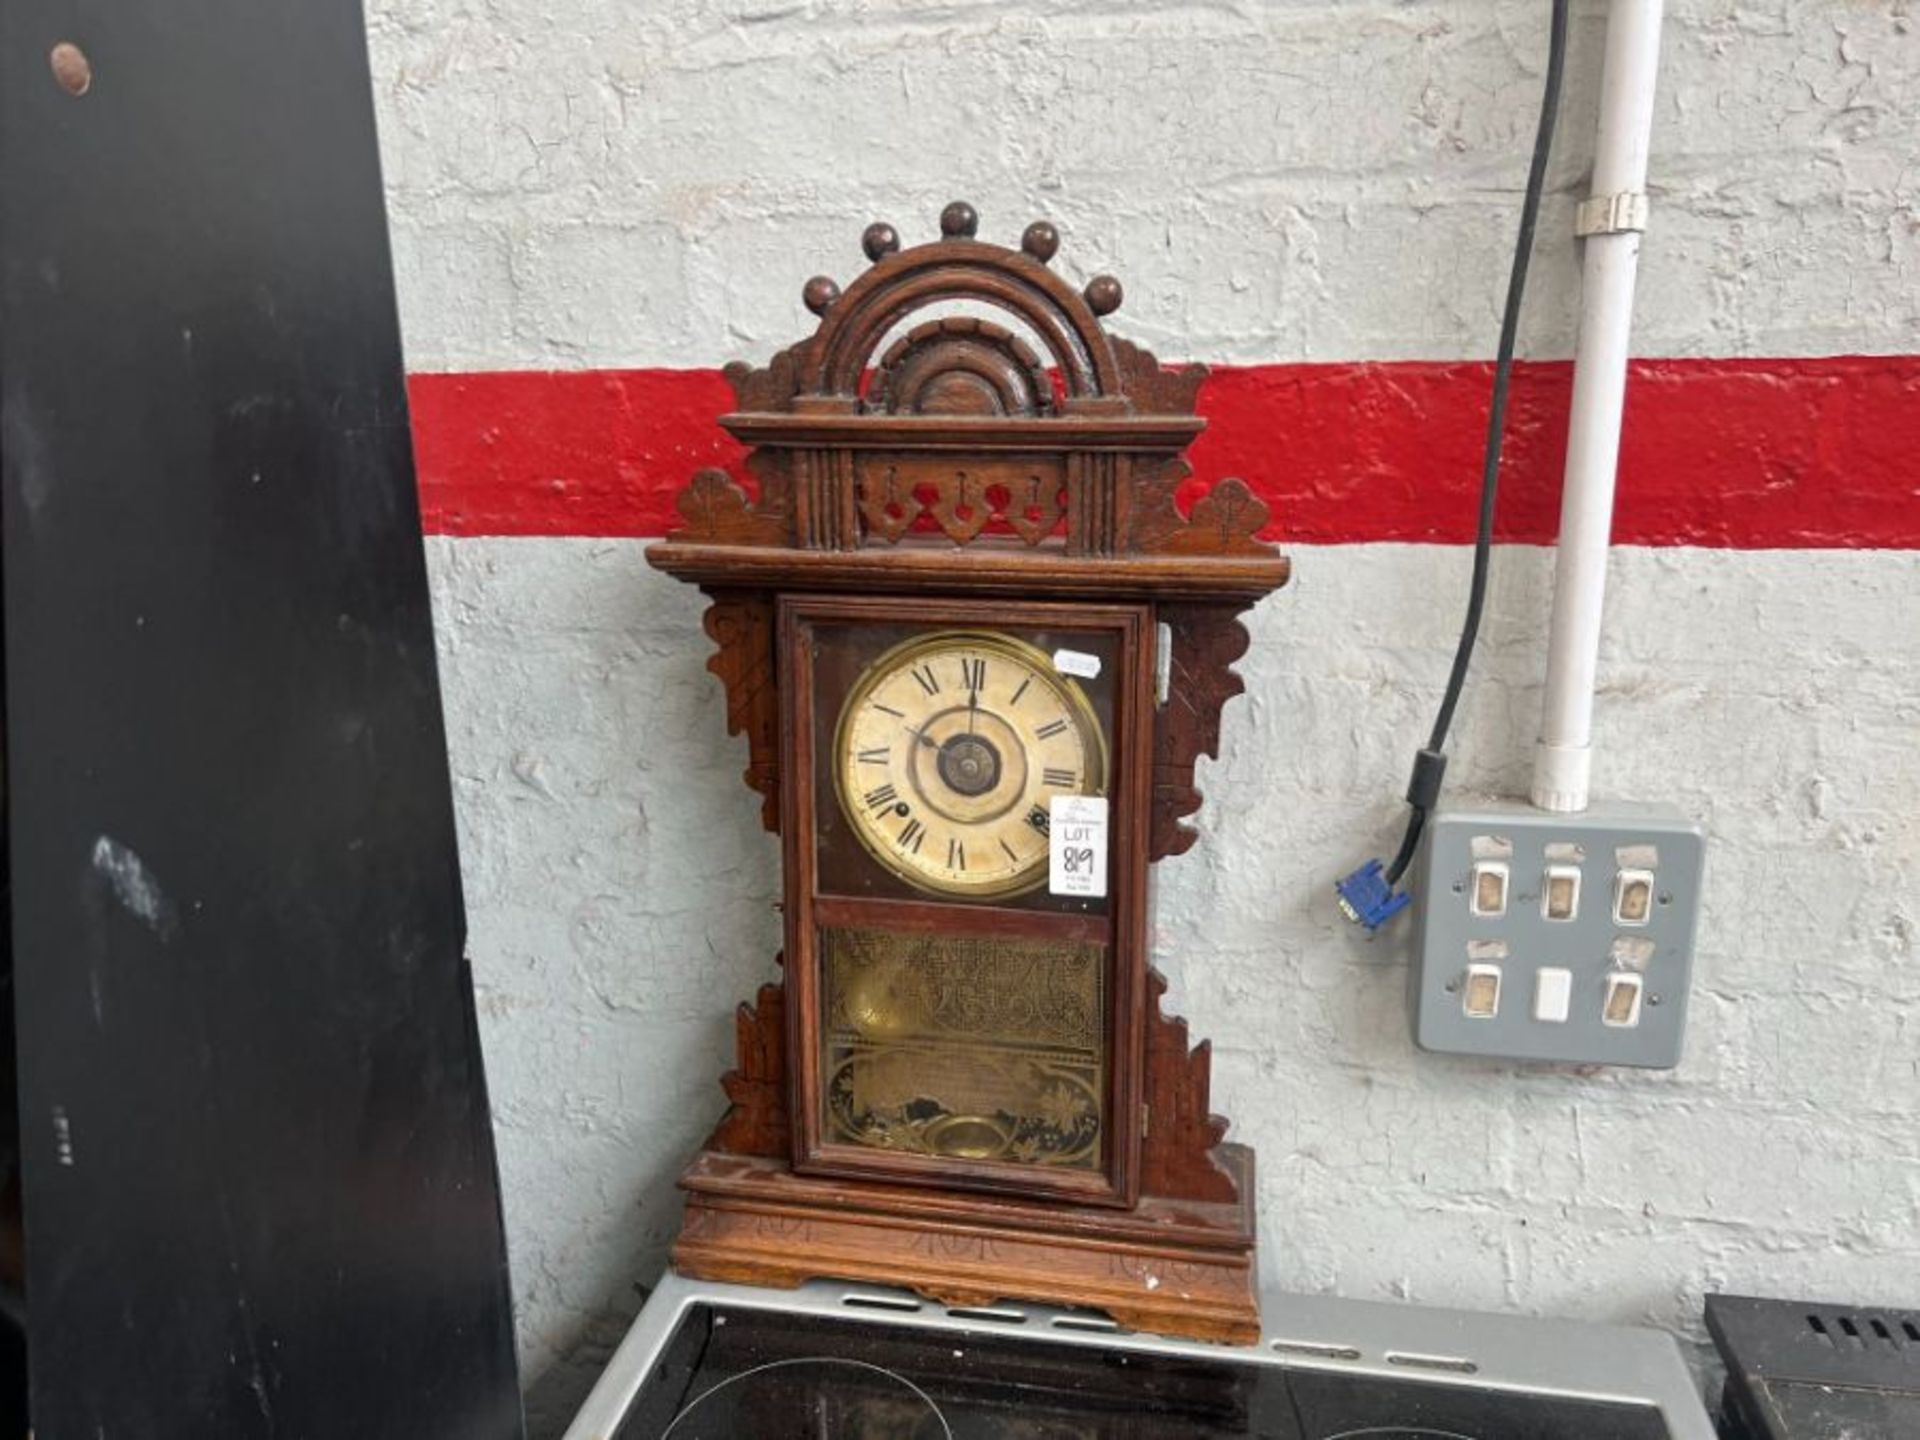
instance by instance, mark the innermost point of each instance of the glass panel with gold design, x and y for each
(978, 1048)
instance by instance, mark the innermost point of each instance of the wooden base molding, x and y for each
(1172, 1267)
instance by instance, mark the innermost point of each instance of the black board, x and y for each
(260, 1189)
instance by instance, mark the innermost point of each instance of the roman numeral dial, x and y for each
(946, 747)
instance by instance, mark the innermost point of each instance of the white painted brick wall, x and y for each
(581, 182)
(621, 896)
(586, 182)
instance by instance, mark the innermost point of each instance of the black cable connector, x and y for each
(1423, 789)
(1423, 786)
(1423, 794)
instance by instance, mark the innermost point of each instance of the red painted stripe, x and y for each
(1742, 454)
(583, 452)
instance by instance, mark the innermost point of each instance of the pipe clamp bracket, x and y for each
(1611, 214)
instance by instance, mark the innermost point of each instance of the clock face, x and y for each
(950, 749)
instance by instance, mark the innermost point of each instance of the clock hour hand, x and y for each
(921, 736)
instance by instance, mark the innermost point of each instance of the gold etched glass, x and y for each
(965, 1047)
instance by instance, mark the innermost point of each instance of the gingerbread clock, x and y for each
(976, 633)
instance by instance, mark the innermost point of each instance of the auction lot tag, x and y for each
(1077, 845)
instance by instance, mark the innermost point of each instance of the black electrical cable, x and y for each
(1424, 788)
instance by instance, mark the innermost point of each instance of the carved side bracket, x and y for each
(1157, 389)
(715, 511)
(1207, 639)
(740, 623)
(1182, 1132)
(757, 1122)
(768, 387)
(1226, 521)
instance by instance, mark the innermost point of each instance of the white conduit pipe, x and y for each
(1612, 220)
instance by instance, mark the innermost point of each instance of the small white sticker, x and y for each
(1077, 845)
(1077, 662)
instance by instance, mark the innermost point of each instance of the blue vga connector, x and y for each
(1367, 899)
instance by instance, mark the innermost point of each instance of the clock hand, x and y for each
(920, 735)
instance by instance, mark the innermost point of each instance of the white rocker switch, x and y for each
(1552, 995)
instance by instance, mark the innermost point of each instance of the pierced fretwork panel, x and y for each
(903, 495)
(969, 1048)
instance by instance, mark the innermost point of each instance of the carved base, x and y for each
(1169, 1267)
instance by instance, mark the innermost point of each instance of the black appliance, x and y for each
(1797, 1370)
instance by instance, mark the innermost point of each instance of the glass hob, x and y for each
(839, 1362)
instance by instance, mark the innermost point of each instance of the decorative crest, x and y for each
(961, 393)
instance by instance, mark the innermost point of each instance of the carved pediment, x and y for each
(1008, 421)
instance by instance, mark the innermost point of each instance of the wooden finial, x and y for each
(1104, 294)
(959, 221)
(1041, 241)
(819, 293)
(879, 240)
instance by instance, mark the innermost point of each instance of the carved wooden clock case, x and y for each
(939, 626)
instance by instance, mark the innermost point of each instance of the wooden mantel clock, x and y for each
(975, 644)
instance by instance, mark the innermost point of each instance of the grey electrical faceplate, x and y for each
(1563, 938)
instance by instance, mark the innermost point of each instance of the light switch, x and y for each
(1560, 896)
(1552, 995)
(1482, 998)
(1561, 939)
(1632, 897)
(1489, 887)
(1622, 1007)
